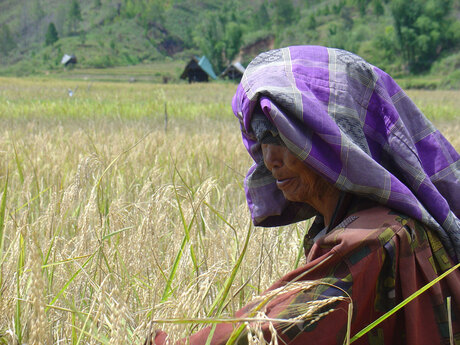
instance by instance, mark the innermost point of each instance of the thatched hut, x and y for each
(68, 60)
(234, 71)
(199, 69)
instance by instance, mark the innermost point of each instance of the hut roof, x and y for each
(66, 59)
(235, 66)
(203, 63)
(233, 71)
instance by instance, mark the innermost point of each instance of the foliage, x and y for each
(7, 42)
(401, 37)
(262, 18)
(423, 30)
(311, 22)
(449, 68)
(362, 6)
(74, 15)
(148, 12)
(451, 81)
(51, 35)
(219, 37)
(284, 13)
(37, 11)
(379, 10)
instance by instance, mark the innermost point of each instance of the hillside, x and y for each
(418, 38)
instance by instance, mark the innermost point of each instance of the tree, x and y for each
(423, 29)
(150, 12)
(37, 11)
(261, 17)
(219, 38)
(284, 12)
(362, 6)
(347, 16)
(208, 37)
(51, 35)
(74, 15)
(379, 10)
(233, 36)
(311, 23)
(25, 25)
(7, 42)
(60, 16)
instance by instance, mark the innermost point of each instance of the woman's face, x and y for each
(296, 181)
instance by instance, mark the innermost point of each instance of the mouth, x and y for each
(284, 183)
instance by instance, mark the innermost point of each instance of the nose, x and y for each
(273, 156)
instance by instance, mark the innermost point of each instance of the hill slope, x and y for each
(105, 33)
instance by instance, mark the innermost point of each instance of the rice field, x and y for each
(111, 217)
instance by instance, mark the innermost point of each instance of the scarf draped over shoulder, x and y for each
(351, 123)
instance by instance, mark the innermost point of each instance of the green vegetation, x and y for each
(403, 38)
(424, 30)
(51, 35)
(74, 15)
(7, 42)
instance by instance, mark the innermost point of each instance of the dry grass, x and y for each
(110, 221)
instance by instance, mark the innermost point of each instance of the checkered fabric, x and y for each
(350, 122)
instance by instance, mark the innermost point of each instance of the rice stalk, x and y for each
(87, 319)
(119, 334)
(300, 252)
(254, 334)
(449, 320)
(66, 285)
(402, 304)
(18, 164)
(349, 318)
(217, 306)
(167, 290)
(39, 325)
(309, 311)
(74, 338)
(185, 240)
(37, 196)
(2, 225)
(19, 273)
(118, 157)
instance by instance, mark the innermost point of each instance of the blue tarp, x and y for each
(207, 67)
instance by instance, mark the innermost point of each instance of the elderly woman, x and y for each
(336, 138)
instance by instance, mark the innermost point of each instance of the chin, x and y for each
(293, 198)
(296, 198)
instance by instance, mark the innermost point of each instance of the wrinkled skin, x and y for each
(298, 182)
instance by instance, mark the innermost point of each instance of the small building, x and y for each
(234, 71)
(68, 60)
(199, 69)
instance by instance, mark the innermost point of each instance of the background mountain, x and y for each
(402, 37)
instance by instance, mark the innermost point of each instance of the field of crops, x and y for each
(111, 217)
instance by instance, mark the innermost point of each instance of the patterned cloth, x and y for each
(351, 123)
(378, 258)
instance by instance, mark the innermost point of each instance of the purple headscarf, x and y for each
(351, 123)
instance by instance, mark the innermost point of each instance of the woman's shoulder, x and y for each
(375, 218)
(373, 229)
(380, 229)
(374, 221)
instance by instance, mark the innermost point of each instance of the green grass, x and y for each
(160, 72)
